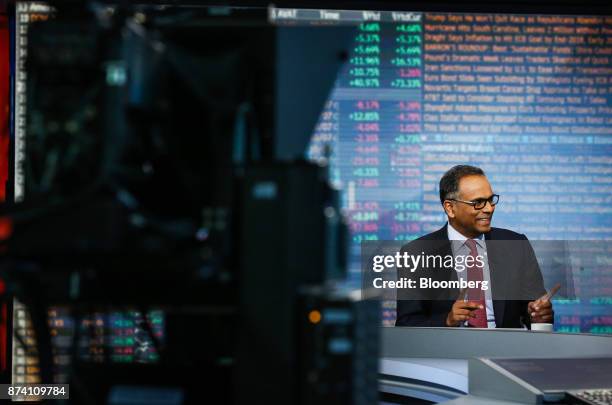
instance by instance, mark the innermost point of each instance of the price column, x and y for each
(364, 66)
(405, 155)
(364, 119)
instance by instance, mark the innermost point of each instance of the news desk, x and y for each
(431, 364)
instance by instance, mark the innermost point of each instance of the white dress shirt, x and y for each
(460, 248)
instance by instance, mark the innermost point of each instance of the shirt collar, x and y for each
(454, 234)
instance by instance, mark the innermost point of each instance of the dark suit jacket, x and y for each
(515, 280)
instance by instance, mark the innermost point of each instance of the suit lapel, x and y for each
(444, 249)
(497, 276)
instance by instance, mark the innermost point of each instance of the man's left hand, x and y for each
(540, 311)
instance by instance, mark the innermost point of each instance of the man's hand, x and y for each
(461, 310)
(540, 311)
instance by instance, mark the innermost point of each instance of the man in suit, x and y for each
(508, 266)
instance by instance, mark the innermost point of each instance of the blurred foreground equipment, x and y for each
(152, 180)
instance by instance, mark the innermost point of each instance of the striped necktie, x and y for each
(474, 273)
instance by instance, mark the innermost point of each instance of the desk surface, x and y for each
(474, 400)
(465, 343)
(451, 373)
(432, 363)
(433, 379)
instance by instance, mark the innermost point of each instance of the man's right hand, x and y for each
(461, 310)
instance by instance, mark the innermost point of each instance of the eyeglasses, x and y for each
(480, 203)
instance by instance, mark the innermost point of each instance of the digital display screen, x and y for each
(528, 98)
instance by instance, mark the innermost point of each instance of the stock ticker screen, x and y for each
(526, 97)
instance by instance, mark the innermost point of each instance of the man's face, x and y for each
(463, 217)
